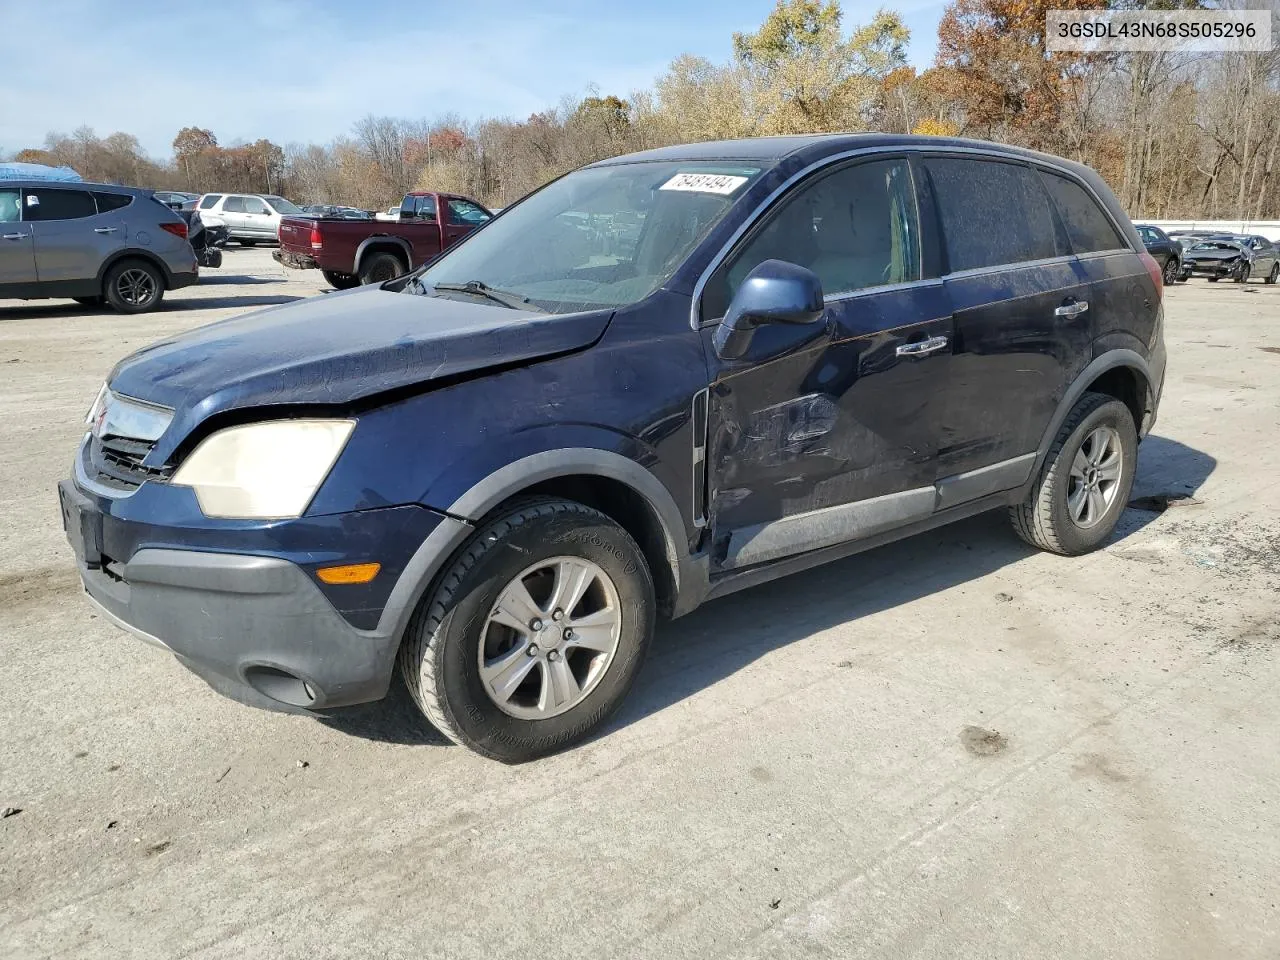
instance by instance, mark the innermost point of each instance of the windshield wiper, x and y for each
(481, 289)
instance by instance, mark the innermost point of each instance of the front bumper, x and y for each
(256, 628)
(1212, 268)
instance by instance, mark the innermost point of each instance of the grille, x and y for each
(116, 462)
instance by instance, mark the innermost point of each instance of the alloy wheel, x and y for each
(1095, 477)
(550, 638)
(136, 287)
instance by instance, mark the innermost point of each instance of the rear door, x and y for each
(72, 240)
(827, 433)
(1022, 324)
(17, 250)
(232, 213)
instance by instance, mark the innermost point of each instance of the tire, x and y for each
(451, 633)
(1045, 519)
(247, 243)
(1274, 274)
(1171, 271)
(381, 267)
(1214, 279)
(134, 286)
(340, 281)
(1242, 275)
(90, 301)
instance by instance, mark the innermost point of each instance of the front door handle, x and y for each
(16, 236)
(1072, 310)
(105, 229)
(922, 348)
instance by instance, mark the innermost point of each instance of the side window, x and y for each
(426, 208)
(10, 206)
(1087, 226)
(234, 205)
(1148, 235)
(855, 228)
(111, 201)
(45, 204)
(993, 213)
(466, 213)
(253, 205)
(211, 201)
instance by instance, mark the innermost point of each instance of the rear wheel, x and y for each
(381, 267)
(340, 281)
(1084, 484)
(1171, 270)
(534, 634)
(247, 243)
(1214, 279)
(133, 286)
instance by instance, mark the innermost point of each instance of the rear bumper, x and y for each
(298, 261)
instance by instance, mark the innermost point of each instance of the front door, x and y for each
(828, 432)
(258, 220)
(17, 251)
(1023, 322)
(461, 218)
(72, 241)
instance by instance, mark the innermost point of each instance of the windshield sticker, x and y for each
(720, 183)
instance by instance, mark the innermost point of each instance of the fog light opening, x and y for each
(281, 685)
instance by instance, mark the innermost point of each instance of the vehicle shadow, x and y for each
(176, 304)
(226, 303)
(725, 635)
(240, 280)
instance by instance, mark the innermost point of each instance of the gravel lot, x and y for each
(949, 747)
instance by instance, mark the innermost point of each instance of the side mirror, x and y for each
(774, 292)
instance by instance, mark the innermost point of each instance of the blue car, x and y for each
(504, 469)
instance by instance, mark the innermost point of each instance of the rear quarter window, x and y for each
(211, 201)
(993, 213)
(112, 201)
(1088, 227)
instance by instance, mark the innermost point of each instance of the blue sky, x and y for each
(305, 70)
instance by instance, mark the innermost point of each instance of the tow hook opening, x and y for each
(280, 685)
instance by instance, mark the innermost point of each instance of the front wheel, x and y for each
(534, 634)
(1171, 270)
(340, 281)
(1242, 275)
(1274, 274)
(133, 286)
(1084, 484)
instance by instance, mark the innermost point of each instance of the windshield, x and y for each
(281, 205)
(599, 237)
(1217, 245)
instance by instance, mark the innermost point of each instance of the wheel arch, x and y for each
(1120, 373)
(383, 243)
(617, 486)
(134, 253)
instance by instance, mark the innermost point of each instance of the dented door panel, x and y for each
(836, 420)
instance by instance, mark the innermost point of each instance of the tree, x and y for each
(189, 148)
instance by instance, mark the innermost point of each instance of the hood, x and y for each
(1214, 254)
(336, 350)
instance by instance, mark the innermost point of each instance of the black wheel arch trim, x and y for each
(382, 239)
(1113, 358)
(135, 253)
(461, 517)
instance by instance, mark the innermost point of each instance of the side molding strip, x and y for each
(828, 526)
(993, 478)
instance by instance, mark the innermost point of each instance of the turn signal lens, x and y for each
(350, 573)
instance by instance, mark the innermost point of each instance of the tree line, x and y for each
(1176, 135)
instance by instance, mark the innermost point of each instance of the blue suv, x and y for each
(655, 381)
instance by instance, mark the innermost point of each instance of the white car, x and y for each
(249, 217)
(391, 213)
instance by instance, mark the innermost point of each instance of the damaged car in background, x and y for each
(658, 380)
(1235, 258)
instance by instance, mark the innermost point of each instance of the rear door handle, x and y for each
(1072, 310)
(105, 229)
(922, 348)
(16, 236)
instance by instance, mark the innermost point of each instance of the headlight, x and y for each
(263, 470)
(99, 402)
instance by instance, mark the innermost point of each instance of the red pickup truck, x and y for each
(352, 252)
